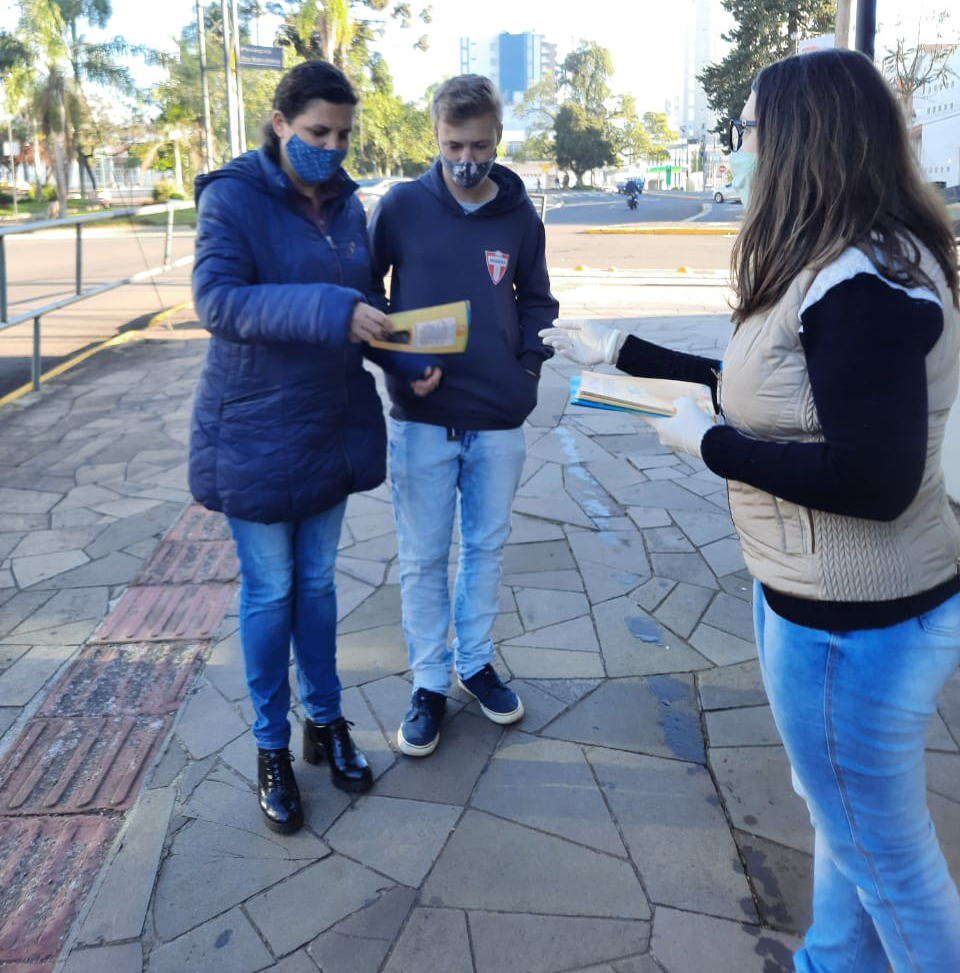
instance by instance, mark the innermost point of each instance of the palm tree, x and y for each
(65, 60)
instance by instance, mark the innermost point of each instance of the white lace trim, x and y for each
(850, 263)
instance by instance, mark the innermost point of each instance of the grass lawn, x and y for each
(25, 207)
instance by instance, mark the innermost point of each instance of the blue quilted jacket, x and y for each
(286, 421)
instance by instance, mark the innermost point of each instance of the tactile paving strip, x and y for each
(164, 613)
(47, 866)
(197, 523)
(190, 562)
(137, 679)
(63, 766)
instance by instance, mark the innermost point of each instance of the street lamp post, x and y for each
(175, 137)
(866, 26)
(228, 80)
(13, 165)
(204, 89)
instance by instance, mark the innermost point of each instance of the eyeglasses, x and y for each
(737, 127)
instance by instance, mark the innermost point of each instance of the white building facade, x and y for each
(936, 109)
(514, 63)
(706, 21)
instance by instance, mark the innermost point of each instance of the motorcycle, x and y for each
(632, 200)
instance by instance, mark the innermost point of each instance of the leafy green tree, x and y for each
(631, 141)
(538, 108)
(64, 62)
(659, 133)
(764, 31)
(536, 148)
(341, 31)
(581, 142)
(389, 135)
(569, 119)
(585, 78)
(179, 96)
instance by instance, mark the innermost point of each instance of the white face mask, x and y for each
(743, 166)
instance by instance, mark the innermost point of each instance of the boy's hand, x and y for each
(429, 381)
(369, 324)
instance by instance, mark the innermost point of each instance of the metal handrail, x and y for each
(81, 295)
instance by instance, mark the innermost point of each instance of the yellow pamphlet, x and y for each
(653, 396)
(438, 330)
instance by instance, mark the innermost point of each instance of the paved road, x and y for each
(41, 268)
(569, 215)
(600, 208)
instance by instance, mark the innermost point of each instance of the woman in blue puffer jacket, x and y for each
(286, 422)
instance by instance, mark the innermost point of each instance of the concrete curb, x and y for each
(688, 229)
(82, 356)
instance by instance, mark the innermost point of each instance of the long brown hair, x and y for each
(835, 169)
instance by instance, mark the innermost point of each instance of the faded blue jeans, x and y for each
(851, 708)
(427, 471)
(287, 593)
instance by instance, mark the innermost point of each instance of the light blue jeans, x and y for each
(287, 593)
(427, 470)
(851, 708)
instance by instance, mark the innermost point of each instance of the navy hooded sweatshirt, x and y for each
(286, 420)
(494, 258)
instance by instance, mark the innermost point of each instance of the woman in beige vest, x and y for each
(835, 391)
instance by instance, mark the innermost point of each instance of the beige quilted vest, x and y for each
(808, 553)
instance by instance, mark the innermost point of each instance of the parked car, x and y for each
(726, 195)
(372, 190)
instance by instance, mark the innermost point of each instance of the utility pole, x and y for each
(866, 26)
(228, 80)
(841, 31)
(241, 122)
(13, 165)
(36, 159)
(205, 89)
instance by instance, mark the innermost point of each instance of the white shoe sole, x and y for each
(502, 718)
(412, 750)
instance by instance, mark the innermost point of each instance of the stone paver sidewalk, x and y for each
(638, 819)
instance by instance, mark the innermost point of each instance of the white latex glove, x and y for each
(685, 430)
(587, 343)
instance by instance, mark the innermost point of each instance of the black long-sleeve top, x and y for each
(865, 343)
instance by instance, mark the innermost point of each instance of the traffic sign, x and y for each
(261, 58)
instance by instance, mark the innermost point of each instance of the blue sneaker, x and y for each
(419, 733)
(498, 702)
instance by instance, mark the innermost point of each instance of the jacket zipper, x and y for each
(718, 375)
(346, 397)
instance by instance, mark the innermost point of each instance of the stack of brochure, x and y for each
(625, 393)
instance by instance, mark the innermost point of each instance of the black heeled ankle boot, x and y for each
(349, 769)
(279, 794)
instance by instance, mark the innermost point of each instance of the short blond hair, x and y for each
(466, 96)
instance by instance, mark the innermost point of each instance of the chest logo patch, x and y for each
(497, 264)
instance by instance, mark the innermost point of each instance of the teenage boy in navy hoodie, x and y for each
(465, 230)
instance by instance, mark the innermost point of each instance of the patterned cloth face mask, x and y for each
(468, 174)
(312, 163)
